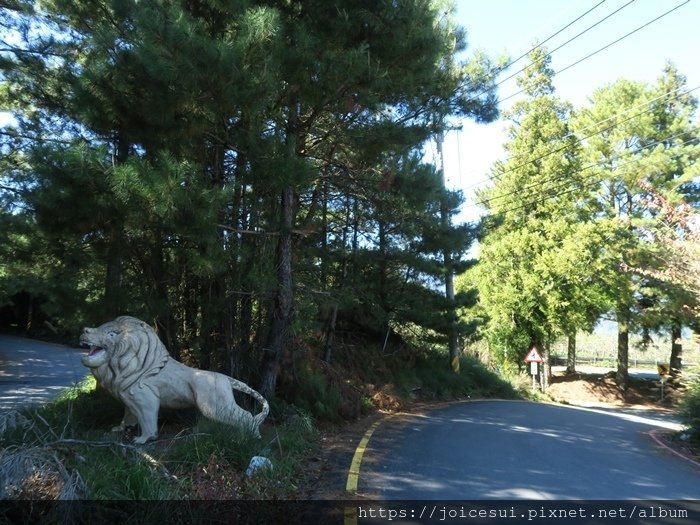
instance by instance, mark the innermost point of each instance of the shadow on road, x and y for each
(34, 372)
(522, 450)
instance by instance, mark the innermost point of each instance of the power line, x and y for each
(588, 56)
(591, 166)
(504, 68)
(604, 47)
(598, 51)
(563, 176)
(646, 102)
(580, 140)
(571, 190)
(549, 54)
(625, 36)
(499, 176)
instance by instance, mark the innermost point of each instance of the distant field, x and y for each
(601, 348)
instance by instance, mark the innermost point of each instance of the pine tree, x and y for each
(348, 71)
(199, 144)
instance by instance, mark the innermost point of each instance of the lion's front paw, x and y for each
(141, 440)
(118, 428)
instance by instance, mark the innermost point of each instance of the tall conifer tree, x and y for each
(538, 257)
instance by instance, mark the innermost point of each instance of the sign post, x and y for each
(533, 357)
(663, 376)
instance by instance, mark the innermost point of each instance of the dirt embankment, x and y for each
(589, 388)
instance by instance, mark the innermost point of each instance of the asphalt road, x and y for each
(34, 372)
(521, 450)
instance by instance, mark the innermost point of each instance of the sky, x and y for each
(513, 27)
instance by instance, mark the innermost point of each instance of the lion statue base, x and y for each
(130, 361)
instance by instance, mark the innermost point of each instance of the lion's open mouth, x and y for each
(93, 348)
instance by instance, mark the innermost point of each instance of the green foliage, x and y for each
(433, 379)
(65, 427)
(572, 214)
(689, 410)
(210, 438)
(78, 411)
(316, 396)
(147, 167)
(633, 160)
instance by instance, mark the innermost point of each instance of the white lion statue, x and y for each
(130, 361)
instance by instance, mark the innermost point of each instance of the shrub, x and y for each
(315, 395)
(690, 410)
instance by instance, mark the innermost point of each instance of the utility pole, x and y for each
(453, 343)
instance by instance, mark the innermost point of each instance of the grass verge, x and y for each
(64, 450)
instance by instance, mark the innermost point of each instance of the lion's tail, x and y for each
(260, 417)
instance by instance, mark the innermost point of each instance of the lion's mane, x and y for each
(138, 355)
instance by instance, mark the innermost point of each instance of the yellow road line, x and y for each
(354, 473)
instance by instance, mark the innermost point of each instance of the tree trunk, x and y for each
(283, 306)
(452, 335)
(115, 247)
(623, 339)
(330, 334)
(676, 361)
(113, 276)
(330, 331)
(571, 354)
(30, 313)
(382, 268)
(241, 280)
(245, 330)
(546, 366)
(165, 321)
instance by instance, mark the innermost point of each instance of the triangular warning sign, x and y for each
(534, 356)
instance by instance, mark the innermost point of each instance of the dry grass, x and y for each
(12, 420)
(37, 473)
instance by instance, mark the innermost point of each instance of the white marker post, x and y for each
(664, 371)
(533, 357)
